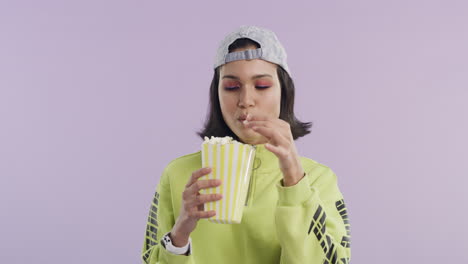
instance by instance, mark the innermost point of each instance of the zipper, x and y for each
(253, 172)
(248, 190)
(251, 182)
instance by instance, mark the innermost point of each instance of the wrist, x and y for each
(168, 244)
(293, 179)
(178, 239)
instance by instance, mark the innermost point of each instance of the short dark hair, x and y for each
(217, 127)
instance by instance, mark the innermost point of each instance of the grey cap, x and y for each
(270, 48)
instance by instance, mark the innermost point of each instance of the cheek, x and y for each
(222, 100)
(273, 98)
(227, 103)
(274, 102)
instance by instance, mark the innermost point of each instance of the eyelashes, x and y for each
(235, 88)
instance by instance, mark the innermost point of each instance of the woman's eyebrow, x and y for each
(253, 77)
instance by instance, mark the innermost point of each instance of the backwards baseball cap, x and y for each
(270, 48)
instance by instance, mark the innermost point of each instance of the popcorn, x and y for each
(220, 140)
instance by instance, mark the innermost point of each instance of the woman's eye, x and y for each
(235, 87)
(231, 88)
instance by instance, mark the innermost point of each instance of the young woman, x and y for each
(295, 212)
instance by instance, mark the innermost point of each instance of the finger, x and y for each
(273, 120)
(257, 123)
(282, 125)
(202, 214)
(200, 184)
(277, 140)
(256, 117)
(277, 125)
(197, 174)
(202, 199)
(278, 150)
(269, 133)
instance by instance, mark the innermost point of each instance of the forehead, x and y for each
(245, 69)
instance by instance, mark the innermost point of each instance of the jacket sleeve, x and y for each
(160, 221)
(311, 221)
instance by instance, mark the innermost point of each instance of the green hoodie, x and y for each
(304, 223)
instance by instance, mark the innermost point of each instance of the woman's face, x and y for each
(248, 86)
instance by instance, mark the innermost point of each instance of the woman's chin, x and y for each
(251, 137)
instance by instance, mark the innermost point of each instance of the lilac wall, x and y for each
(96, 97)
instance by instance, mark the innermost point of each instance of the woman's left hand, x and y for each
(280, 143)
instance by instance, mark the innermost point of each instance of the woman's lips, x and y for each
(243, 124)
(243, 116)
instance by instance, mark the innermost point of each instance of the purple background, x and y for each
(96, 97)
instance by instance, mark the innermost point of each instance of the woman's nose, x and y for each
(246, 98)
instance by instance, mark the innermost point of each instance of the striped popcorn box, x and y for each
(232, 162)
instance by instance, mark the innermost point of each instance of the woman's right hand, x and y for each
(192, 208)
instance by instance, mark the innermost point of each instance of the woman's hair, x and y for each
(217, 127)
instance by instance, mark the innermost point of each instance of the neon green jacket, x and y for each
(304, 223)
